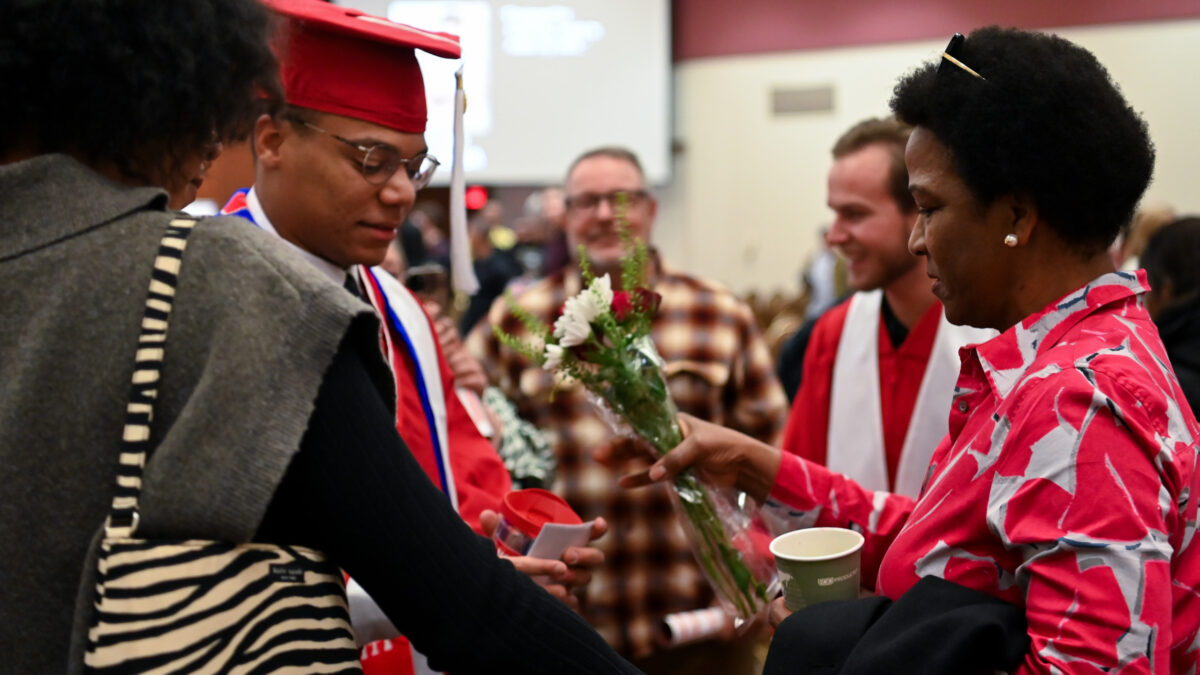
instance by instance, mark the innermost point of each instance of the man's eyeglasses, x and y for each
(589, 201)
(950, 55)
(380, 162)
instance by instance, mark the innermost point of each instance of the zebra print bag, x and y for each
(203, 606)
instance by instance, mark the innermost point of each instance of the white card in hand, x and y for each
(556, 537)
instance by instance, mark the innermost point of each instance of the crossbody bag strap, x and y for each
(123, 519)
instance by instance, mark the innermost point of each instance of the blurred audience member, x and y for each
(824, 278)
(551, 208)
(1171, 259)
(530, 250)
(412, 243)
(433, 222)
(494, 266)
(1129, 244)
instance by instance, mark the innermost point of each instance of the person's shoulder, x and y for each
(671, 276)
(254, 266)
(538, 297)
(234, 242)
(1107, 342)
(680, 288)
(548, 285)
(818, 337)
(240, 236)
(1116, 360)
(831, 321)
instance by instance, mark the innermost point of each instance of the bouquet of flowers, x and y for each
(602, 340)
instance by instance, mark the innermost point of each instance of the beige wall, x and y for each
(749, 189)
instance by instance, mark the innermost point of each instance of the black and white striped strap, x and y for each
(147, 370)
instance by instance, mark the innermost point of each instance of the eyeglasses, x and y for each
(589, 201)
(950, 56)
(381, 161)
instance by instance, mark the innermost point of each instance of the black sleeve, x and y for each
(791, 359)
(355, 492)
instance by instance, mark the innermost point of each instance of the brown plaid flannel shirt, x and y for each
(718, 368)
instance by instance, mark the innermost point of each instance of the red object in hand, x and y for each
(522, 515)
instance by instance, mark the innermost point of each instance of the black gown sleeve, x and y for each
(355, 492)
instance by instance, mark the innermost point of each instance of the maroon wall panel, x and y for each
(704, 28)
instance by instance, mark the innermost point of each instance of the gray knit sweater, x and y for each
(253, 331)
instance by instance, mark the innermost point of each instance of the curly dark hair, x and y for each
(1046, 122)
(141, 84)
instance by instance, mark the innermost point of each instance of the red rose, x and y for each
(647, 300)
(621, 305)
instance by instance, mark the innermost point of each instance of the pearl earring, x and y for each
(1010, 240)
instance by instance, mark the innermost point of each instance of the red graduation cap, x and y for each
(343, 61)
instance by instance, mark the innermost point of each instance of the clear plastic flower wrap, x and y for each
(727, 535)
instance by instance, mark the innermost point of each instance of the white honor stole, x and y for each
(401, 310)
(855, 440)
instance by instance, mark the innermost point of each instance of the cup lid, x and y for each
(529, 509)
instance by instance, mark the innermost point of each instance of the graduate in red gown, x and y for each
(336, 173)
(879, 368)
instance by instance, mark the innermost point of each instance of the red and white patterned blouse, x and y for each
(1064, 486)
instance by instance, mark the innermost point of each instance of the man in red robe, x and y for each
(879, 368)
(336, 173)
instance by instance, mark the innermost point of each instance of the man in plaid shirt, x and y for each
(718, 368)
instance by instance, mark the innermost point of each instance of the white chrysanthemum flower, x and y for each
(571, 329)
(585, 306)
(603, 287)
(554, 357)
(574, 326)
(592, 301)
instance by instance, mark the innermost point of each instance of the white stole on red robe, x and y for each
(855, 442)
(399, 304)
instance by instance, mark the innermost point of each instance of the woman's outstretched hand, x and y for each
(723, 457)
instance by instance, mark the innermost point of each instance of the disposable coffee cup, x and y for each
(818, 564)
(523, 513)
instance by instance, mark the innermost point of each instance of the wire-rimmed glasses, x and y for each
(381, 161)
(589, 201)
